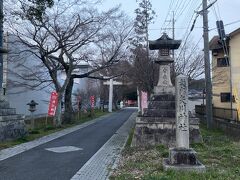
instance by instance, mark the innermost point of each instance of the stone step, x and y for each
(165, 97)
(7, 111)
(11, 117)
(161, 105)
(159, 113)
(4, 104)
(152, 120)
(154, 134)
(141, 119)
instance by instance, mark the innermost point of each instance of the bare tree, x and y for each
(66, 36)
(143, 72)
(83, 95)
(108, 50)
(190, 62)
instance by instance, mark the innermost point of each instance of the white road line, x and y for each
(64, 149)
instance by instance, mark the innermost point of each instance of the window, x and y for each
(225, 97)
(222, 62)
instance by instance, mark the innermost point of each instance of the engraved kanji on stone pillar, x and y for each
(182, 119)
(164, 76)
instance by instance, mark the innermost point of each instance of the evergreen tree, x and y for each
(35, 9)
(143, 68)
(144, 16)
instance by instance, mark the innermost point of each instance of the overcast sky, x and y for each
(227, 10)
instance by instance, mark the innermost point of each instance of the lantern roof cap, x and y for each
(164, 42)
(32, 103)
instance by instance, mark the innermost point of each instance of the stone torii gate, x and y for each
(111, 83)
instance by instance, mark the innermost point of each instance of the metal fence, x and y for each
(222, 113)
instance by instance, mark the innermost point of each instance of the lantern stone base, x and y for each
(12, 126)
(184, 160)
(150, 131)
(157, 125)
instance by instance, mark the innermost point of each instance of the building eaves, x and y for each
(215, 43)
(235, 32)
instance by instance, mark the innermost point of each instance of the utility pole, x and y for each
(208, 83)
(1, 44)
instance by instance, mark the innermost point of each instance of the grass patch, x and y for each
(43, 130)
(219, 153)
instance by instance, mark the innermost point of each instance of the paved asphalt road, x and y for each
(40, 164)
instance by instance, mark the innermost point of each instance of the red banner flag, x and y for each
(92, 101)
(53, 104)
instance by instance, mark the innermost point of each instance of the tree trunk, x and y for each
(68, 112)
(57, 121)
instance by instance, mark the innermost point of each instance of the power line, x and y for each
(178, 9)
(189, 24)
(187, 34)
(228, 24)
(195, 48)
(218, 10)
(215, 12)
(188, 13)
(185, 5)
(157, 29)
(169, 10)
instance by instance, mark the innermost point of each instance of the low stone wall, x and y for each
(12, 125)
(12, 129)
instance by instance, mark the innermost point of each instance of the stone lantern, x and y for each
(164, 44)
(157, 123)
(32, 108)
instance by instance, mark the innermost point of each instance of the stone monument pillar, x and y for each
(182, 157)
(182, 119)
(157, 125)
